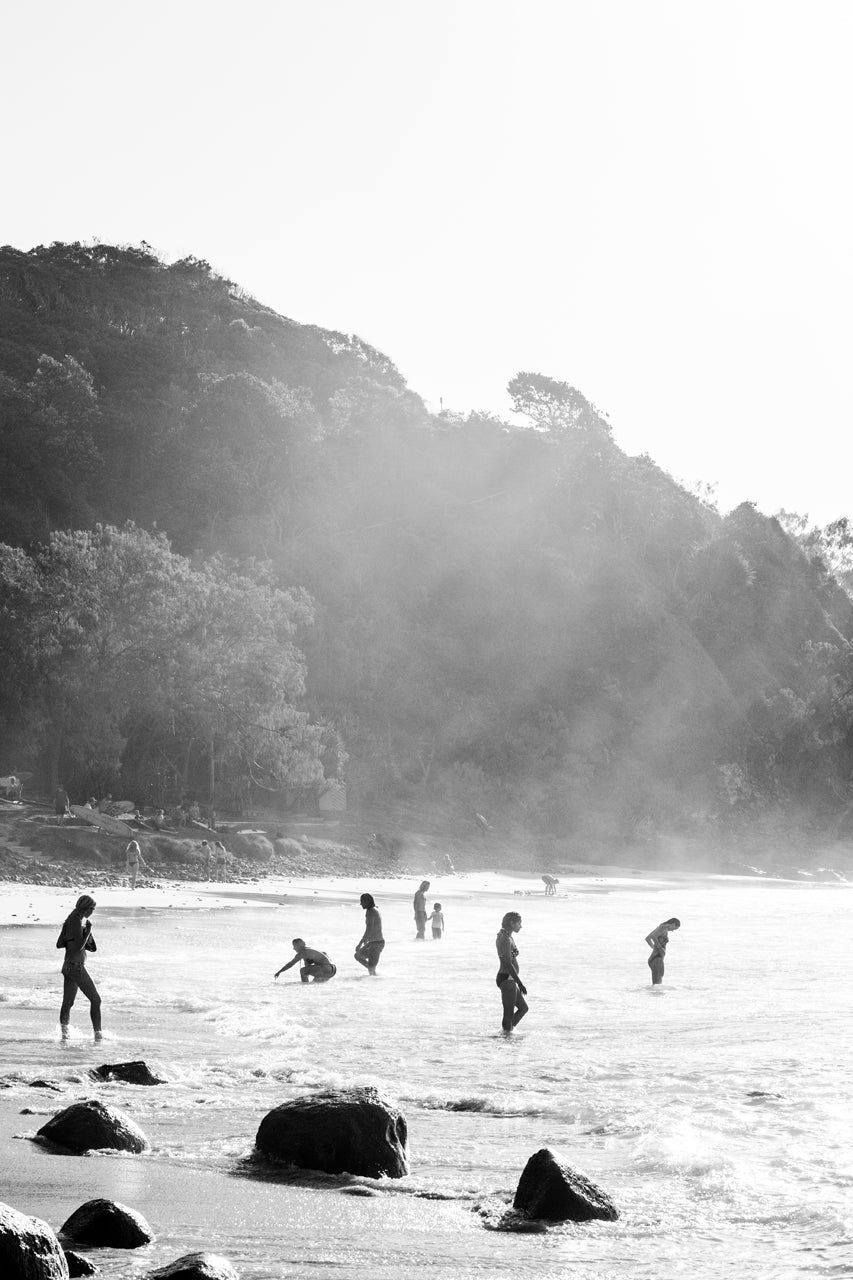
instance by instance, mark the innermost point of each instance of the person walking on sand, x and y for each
(61, 804)
(511, 987)
(77, 938)
(657, 940)
(133, 859)
(437, 921)
(316, 965)
(371, 944)
(421, 911)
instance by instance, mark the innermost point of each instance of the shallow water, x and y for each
(654, 1094)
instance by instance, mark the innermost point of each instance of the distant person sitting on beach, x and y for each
(91, 803)
(420, 910)
(316, 965)
(133, 860)
(61, 804)
(437, 921)
(76, 937)
(551, 883)
(159, 819)
(657, 940)
(106, 804)
(512, 989)
(371, 944)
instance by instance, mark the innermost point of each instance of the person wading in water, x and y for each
(76, 937)
(371, 944)
(511, 987)
(420, 910)
(657, 940)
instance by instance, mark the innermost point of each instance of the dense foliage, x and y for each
(516, 619)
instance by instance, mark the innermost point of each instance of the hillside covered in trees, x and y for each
(239, 554)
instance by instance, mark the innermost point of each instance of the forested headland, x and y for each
(240, 557)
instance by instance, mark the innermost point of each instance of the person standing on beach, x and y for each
(511, 987)
(372, 943)
(133, 859)
(316, 965)
(657, 940)
(421, 911)
(61, 804)
(76, 937)
(221, 863)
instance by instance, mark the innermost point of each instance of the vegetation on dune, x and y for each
(238, 550)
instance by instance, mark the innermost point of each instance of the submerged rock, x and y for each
(29, 1250)
(550, 1189)
(344, 1131)
(79, 1266)
(195, 1266)
(129, 1072)
(107, 1224)
(91, 1125)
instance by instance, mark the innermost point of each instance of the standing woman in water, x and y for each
(76, 937)
(657, 940)
(512, 989)
(371, 944)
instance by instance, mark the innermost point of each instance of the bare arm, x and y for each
(289, 965)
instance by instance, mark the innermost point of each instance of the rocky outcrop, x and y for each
(79, 1266)
(357, 1131)
(195, 1266)
(128, 1072)
(29, 1250)
(107, 1224)
(90, 1125)
(551, 1190)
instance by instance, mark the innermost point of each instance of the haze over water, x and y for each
(715, 1111)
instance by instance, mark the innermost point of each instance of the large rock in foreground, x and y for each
(552, 1190)
(29, 1250)
(356, 1131)
(107, 1224)
(90, 1125)
(128, 1072)
(196, 1266)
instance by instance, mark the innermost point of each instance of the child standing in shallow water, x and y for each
(437, 921)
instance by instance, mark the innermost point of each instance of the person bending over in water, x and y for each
(316, 965)
(512, 989)
(657, 940)
(372, 944)
(76, 937)
(420, 910)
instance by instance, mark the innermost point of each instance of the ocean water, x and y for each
(716, 1110)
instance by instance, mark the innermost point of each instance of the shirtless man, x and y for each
(657, 940)
(316, 965)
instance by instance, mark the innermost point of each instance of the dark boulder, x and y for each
(107, 1224)
(90, 1125)
(29, 1250)
(195, 1266)
(79, 1266)
(551, 1190)
(129, 1072)
(356, 1131)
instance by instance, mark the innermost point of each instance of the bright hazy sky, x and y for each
(650, 200)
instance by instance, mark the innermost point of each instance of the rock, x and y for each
(89, 1125)
(343, 1131)
(80, 1266)
(195, 1266)
(107, 1224)
(552, 1190)
(29, 1250)
(130, 1072)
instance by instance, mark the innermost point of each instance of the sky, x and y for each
(650, 200)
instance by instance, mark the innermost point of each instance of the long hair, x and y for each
(509, 918)
(367, 901)
(85, 905)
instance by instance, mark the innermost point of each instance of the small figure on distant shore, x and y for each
(437, 921)
(550, 883)
(420, 910)
(657, 940)
(316, 965)
(220, 854)
(372, 944)
(447, 864)
(511, 987)
(61, 804)
(207, 857)
(133, 859)
(76, 937)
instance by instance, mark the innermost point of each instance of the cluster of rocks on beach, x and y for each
(347, 1135)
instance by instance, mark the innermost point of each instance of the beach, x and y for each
(713, 1110)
